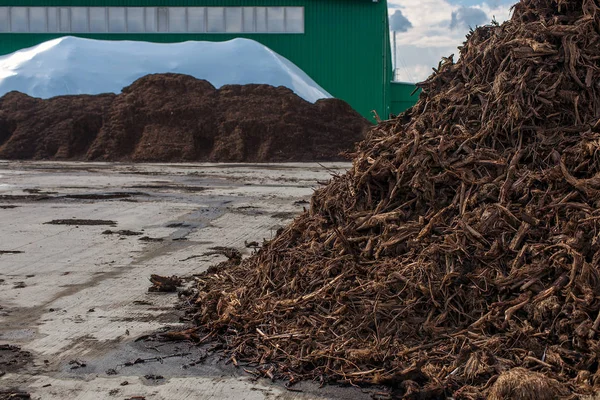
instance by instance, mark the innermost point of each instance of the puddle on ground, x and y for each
(18, 334)
(13, 359)
(151, 359)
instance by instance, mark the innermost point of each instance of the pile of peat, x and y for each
(460, 255)
(173, 118)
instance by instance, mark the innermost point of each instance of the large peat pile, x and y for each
(460, 255)
(171, 117)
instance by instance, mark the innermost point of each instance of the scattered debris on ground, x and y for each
(153, 377)
(150, 239)
(76, 364)
(229, 252)
(10, 252)
(171, 117)
(164, 283)
(459, 257)
(81, 222)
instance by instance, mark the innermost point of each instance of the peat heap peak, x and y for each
(461, 249)
(173, 117)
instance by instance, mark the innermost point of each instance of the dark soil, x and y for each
(171, 117)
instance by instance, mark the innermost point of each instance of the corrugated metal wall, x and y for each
(345, 47)
(403, 96)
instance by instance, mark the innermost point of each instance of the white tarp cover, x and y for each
(71, 65)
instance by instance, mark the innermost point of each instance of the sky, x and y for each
(428, 30)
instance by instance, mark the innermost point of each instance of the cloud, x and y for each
(398, 22)
(468, 17)
(408, 74)
(421, 47)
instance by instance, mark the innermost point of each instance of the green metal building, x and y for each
(343, 45)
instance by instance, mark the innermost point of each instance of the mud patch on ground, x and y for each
(149, 239)
(165, 318)
(13, 359)
(38, 191)
(247, 210)
(178, 225)
(150, 357)
(8, 207)
(284, 215)
(184, 188)
(125, 232)
(81, 222)
(23, 197)
(100, 196)
(13, 394)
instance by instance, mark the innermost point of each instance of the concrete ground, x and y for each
(76, 297)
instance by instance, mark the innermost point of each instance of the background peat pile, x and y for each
(171, 117)
(460, 255)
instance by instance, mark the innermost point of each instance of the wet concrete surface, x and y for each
(76, 297)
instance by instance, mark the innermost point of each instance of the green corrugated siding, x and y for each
(402, 97)
(345, 47)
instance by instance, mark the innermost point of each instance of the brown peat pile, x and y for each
(172, 118)
(460, 255)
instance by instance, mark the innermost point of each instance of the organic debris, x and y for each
(229, 252)
(164, 283)
(464, 242)
(172, 117)
(76, 364)
(523, 384)
(159, 359)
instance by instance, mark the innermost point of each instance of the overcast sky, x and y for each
(428, 30)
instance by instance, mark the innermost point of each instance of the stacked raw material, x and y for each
(460, 255)
(173, 117)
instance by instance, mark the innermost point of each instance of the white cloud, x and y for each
(409, 74)
(430, 38)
